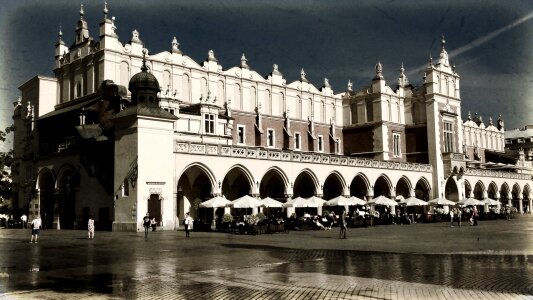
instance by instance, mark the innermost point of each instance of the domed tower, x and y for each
(144, 87)
(144, 155)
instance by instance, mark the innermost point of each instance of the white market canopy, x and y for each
(382, 200)
(218, 201)
(489, 201)
(470, 201)
(345, 201)
(301, 202)
(441, 201)
(413, 201)
(269, 202)
(245, 202)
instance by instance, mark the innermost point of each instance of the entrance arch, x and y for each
(304, 185)
(516, 194)
(492, 191)
(195, 183)
(479, 190)
(333, 186)
(382, 187)
(450, 190)
(237, 183)
(272, 185)
(422, 189)
(360, 186)
(403, 188)
(46, 185)
(504, 193)
(68, 182)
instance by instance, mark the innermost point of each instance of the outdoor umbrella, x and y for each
(245, 202)
(339, 201)
(301, 202)
(358, 201)
(441, 201)
(413, 201)
(269, 202)
(470, 201)
(489, 201)
(382, 200)
(315, 201)
(218, 201)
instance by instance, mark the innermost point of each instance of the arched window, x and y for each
(203, 87)
(310, 112)
(124, 73)
(253, 97)
(237, 97)
(298, 107)
(281, 105)
(78, 90)
(185, 88)
(369, 111)
(220, 92)
(353, 109)
(268, 103)
(167, 86)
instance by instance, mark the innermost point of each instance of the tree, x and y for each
(6, 161)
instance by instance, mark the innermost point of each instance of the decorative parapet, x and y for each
(315, 158)
(497, 174)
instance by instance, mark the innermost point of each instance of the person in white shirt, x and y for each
(24, 220)
(35, 227)
(90, 227)
(187, 223)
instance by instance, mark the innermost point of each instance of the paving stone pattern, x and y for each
(420, 261)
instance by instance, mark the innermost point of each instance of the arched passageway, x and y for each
(450, 190)
(332, 186)
(236, 184)
(479, 190)
(492, 191)
(468, 189)
(504, 194)
(403, 188)
(68, 184)
(194, 186)
(272, 186)
(422, 189)
(304, 186)
(47, 199)
(359, 186)
(516, 194)
(382, 187)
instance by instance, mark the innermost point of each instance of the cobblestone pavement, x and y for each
(420, 261)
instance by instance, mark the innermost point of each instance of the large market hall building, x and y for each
(119, 132)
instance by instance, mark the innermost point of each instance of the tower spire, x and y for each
(105, 10)
(143, 67)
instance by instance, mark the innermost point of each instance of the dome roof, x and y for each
(143, 80)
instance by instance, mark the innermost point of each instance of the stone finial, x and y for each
(244, 62)
(135, 37)
(326, 83)
(443, 58)
(500, 122)
(350, 85)
(442, 41)
(490, 121)
(430, 61)
(143, 67)
(469, 118)
(402, 80)
(60, 34)
(106, 11)
(175, 46)
(211, 56)
(379, 70)
(302, 76)
(81, 12)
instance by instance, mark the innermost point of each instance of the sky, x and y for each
(490, 42)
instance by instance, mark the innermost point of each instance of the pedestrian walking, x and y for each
(146, 225)
(35, 227)
(451, 216)
(186, 223)
(90, 227)
(475, 215)
(153, 224)
(24, 220)
(342, 234)
(459, 215)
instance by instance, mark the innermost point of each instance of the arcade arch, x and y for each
(237, 182)
(403, 187)
(333, 186)
(273, 185)
(479, 190)
(492, 191)
(68, 182)
(46, 186)
(305, 185)
(451, 191)
(422, 189)
(196, 182)
(383, 186)
(360, 186)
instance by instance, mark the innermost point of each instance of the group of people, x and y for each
(457, 214)
(152, 223)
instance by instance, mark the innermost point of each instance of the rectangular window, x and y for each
(240, 132)
(320, 143)
(448, 136)
(125, 188)
(270, 138)
(297, 141)
(396, 145)
(209, 123)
